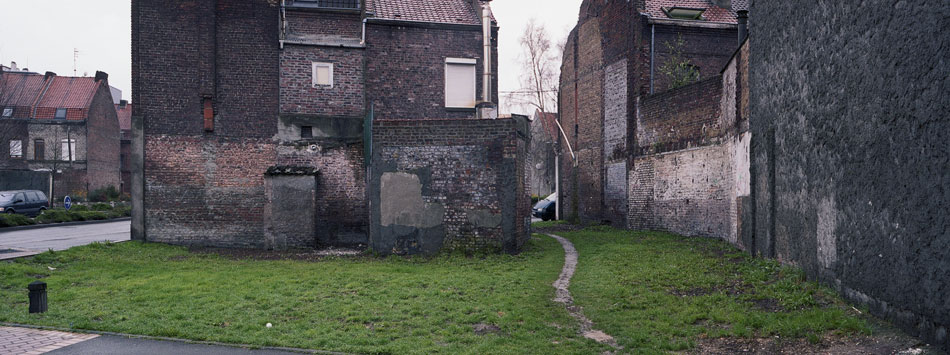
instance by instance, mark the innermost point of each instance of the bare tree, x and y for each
(540, 69)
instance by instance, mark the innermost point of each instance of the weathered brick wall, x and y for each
(13, 129)
(102, 142)
(448, 185)
(299, 96)
(405, 68)
(678, 119)
(707, 49)
(851, 155)
(311, 23)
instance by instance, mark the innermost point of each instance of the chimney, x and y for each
(13, 66)
(743, 17)
(48, 75)
(486, 109)
(101, 75)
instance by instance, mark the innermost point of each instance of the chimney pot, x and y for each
(48, 75)
(101, 75)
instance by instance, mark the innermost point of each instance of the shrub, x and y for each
(104, 194)
(99, 206)
(56, 215)
(125, 211)
(13, 220)
(78, 208)
(92, 215)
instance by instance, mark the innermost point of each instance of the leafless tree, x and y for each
(541, 62)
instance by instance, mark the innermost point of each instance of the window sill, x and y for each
(460, 109)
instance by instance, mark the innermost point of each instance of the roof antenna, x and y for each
(75, 59)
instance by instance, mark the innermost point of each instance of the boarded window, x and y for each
(207, 112)
(69, 150)
(306, 132)
(39, 149)
(322, 74)
(16, 149)
(459, 83)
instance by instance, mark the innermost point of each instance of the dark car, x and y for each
(28, 202)
(545, 209)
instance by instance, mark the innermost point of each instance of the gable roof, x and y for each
(41, 95)
(125, 116)
(69, 92)
(436, 11)
(713, 12)
(20, 89)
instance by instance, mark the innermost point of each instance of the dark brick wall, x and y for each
(848, 115)
(405, 68)
(708, 49)
(469, 178)
(299, 96)
(678, 119)
(13, 129)
(102, 141)
(311, 23)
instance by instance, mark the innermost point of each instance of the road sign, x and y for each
(67, 203)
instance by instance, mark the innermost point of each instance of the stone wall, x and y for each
(850, 153)
(448, 185)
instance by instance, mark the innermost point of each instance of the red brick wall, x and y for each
(685, 117)
(102, 141)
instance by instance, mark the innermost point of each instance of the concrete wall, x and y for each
(850, 153)
(448, 185)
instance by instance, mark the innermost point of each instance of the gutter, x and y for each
(426, 24)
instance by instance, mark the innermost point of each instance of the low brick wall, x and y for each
(448, 185)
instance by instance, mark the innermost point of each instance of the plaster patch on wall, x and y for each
(827, 221)
(484, 218)
(401, 202)
(741, 164)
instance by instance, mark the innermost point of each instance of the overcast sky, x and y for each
(41, 35)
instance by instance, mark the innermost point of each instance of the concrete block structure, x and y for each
(231, 94)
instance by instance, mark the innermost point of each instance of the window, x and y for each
(684, 13)
(306, 132)
(459, 83)
(7, 112)
(334, 4)
(60, 114)
(322, 75)
(16, 149)
(39, 149)
(69, 150)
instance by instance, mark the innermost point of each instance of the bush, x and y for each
(78, 208)
(92, 215)
(123, 211)
(104, 194)
(99, 206)
(13, 220)
(56, 215)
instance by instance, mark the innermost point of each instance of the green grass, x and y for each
(659, 292)
(367, 305)
(653, 292)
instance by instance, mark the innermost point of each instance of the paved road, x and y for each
(65, 237)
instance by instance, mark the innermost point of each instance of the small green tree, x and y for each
(678, 67)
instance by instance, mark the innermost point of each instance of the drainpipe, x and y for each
(486, 38)
(743, 18)
(363, 15)
(652, 54)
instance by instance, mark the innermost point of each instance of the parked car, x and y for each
(27, 202)
(546, 208)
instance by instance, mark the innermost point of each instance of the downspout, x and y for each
(652, 54)
(363, 16)
(283, 23)
(486, 39)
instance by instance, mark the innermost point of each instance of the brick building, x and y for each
(613, 60)
(542, 153)
(63, 125)
(259, 115)
(123, 110)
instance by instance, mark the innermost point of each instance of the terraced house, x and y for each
(65, 127)
(282, 124)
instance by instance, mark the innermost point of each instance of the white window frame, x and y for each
(16, 148)
(68, 150)
(468, 62)
(314, 76)
(7, 112)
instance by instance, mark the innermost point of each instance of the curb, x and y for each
(64, 224)
(177, 340)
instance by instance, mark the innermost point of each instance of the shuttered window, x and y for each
(459, 83)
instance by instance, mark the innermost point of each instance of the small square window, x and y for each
(16, 149)
(7, 112)
(323, 75)
(306, 132)
(60, 114)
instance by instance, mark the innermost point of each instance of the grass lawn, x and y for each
(653, 292)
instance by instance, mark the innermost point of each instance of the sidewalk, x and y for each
(15, 340)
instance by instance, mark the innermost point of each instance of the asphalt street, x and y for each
(65, 237)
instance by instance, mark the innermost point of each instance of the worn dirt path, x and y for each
(563, 295)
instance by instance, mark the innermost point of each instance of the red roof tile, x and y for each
(713, 13)
(440, 11)
(69, 92)
(20, 89)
